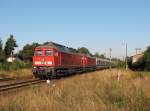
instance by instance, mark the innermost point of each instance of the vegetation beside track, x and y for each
(94, 91)
(20, 73)
(6, 66)
(143, 63)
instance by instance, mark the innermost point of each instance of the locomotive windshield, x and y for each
(38, 52)
(48, 52)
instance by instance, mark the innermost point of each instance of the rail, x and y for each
(19, 84)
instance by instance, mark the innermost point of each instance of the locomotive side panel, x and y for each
(71, 60)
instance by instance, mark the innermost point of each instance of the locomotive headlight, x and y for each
(37, 62)
(49, 62)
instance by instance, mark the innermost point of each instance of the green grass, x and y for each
(5, 66)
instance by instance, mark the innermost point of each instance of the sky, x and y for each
(95, 24)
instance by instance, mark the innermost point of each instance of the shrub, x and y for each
(5, 66)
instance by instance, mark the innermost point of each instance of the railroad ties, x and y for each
(6, 79)
(19, 84)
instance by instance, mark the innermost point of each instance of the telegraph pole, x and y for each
(110, 50)
(137, 49)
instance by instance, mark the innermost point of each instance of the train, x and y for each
(53, 60)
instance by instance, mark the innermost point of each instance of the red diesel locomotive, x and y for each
(52, 60)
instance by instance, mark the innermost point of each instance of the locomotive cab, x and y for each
(44, 61)
(43, 57)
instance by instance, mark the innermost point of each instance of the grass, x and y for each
(6, 66)
(21, 73)
(95, 91)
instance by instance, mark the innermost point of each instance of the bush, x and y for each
(141, 64)
(5, 66)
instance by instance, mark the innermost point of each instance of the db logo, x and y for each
(42, 60)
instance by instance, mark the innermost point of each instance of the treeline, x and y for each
(9, 48)
(143, 63)
(6, 52)
(28, 50)
(23, 58)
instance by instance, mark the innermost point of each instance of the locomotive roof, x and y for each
(59, 48)
(62, 48)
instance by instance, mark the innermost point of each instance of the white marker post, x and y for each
(48, 81)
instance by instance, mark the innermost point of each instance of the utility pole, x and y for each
(126, 56)
(110, 50)
(137, 49)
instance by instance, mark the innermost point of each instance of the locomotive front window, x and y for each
(38, 53)
(48, 52)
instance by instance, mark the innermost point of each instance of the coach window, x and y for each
(48, 52)
(38, 52)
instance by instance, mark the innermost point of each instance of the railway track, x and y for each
(6, 79)
(15, 85)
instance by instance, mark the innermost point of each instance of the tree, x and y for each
(129, 62)
(1, 47)
(10, 46)
(96, 54)
(83, 50)
(102, 56)
(27, 52)
(147, 58)
(99, 56)
(118, 62)
(1, 51)
(143, 63)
